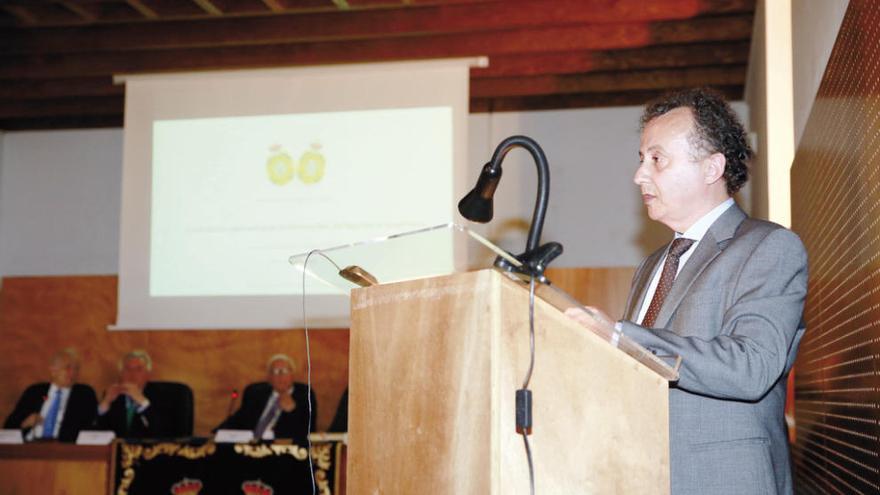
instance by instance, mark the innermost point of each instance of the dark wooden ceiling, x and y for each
(57, 57)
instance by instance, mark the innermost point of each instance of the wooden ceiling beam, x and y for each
(85, 13)
(61, 122)
(209, 6)
(107, 111)
(22, 13)
(663, 57)
(34, 89)
(274, 5)
(582, 100)
(459, 19)
(505, 43)
(93, 105)
(536, 83)
(607, 82)
(653, 57)
(143, 9)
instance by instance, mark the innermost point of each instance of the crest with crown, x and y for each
(256, 487)
(186, 486)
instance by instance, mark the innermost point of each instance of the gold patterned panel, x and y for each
(836, 210)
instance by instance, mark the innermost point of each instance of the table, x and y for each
(51, 467)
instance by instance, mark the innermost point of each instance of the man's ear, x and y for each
(714, 167)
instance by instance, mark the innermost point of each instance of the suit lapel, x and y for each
(709, 247)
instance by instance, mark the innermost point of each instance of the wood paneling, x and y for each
(836, 210)
(39, 315)
(604, 288)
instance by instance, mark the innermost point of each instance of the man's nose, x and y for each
(641, 176)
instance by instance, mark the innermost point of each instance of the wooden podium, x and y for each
(434, 366)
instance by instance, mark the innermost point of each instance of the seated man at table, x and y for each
(279, 408)
(58, 409)
(134, 407)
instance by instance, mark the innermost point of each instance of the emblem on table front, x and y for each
(186, 486)
(256, 487)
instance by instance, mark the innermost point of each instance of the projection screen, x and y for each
(227, 174)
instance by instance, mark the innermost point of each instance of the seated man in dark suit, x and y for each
(278, 408)
(134, 407)
(55, 410)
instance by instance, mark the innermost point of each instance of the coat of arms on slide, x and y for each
(281, 167)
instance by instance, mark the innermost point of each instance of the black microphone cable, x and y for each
(524, 395)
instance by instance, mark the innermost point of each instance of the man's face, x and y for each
(672, 182)
(134, 370)
(63, 372)
(280, 375)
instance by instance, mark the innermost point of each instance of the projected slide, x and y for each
(234, 197)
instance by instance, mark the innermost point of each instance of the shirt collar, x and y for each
(53, 388)
(701, 226)
(275, 393)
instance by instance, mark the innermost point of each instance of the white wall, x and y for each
(595, 210)
(791, 43)
(59, 202)
(60, 191)
(815, 24)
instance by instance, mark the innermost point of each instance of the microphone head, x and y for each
(476, 206)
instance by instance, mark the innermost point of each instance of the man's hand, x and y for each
(286, 403)
(133, 391)
(33, 420)
(110, 395)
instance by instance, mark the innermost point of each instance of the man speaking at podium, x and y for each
(727, 295)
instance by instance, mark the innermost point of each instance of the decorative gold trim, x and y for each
(176, 449)
(130, 453)
(259, 451)
(321, 455)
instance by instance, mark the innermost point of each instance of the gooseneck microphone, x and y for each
(476, 206)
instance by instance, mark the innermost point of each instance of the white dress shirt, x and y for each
(269, 433)
(695, 232)
(37, 431)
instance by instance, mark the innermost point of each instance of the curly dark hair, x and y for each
(718, 130)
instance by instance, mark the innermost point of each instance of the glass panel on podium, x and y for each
(437, 251)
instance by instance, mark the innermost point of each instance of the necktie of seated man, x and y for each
(130, 409)
(52, 415)
(670, 269)
(267, 419)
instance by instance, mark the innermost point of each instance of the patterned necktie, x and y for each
(130, 409)
(267, 419)
(670, 268)
(52, 415)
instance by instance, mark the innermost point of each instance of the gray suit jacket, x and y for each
(734, 316)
